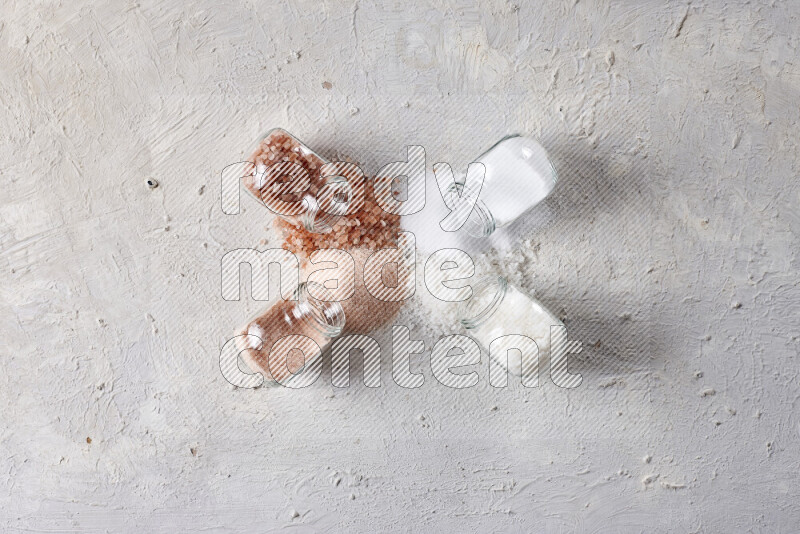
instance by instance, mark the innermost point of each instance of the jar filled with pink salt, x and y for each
(290, 336)
(288, 177)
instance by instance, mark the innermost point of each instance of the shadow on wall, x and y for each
(600, 219)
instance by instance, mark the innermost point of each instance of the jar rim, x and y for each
(480, 221)
(325, 316)
(318, 220)
(493, 286)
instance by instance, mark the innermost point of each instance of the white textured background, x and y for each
(669, 247)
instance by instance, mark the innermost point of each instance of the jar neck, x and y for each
(323, 210)
(487, 296)
(480, 222)
(324, 317)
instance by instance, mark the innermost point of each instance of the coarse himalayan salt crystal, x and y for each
(278, 145)
(365, 224)
(370, 227)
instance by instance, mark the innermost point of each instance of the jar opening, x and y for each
(326, 317)
(323, 211)
(480, 222)
(487, 295)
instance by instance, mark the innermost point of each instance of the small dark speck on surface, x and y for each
(327, 85)
(193, 450)
(152, 183)
(88, 440)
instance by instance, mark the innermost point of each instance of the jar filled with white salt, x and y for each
(290, 335)
(287, 176)
(519, 175)
(498, 310)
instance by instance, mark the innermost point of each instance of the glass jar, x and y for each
(316, 203)
(498, 309)
(267, 342)
(519, 175)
